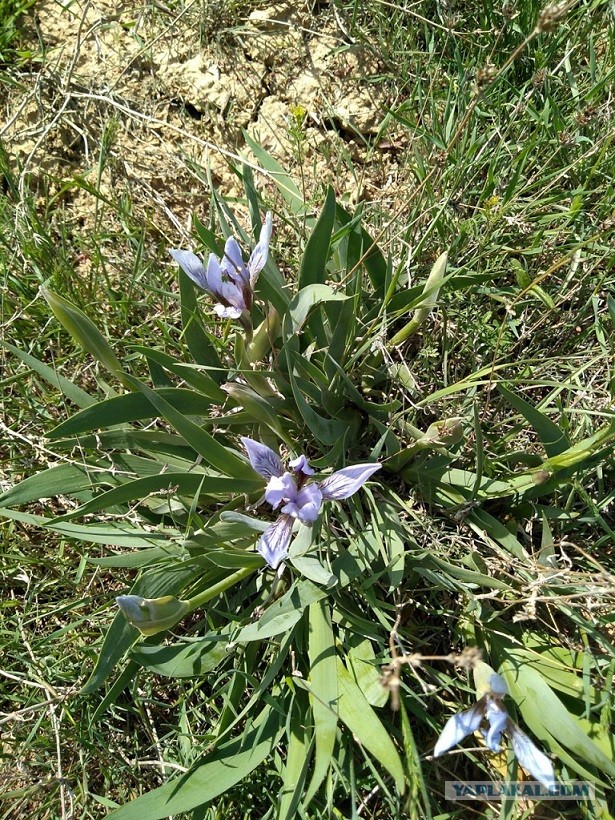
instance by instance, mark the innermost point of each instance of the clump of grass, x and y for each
(12, 17)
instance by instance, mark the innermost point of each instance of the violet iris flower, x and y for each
(297, 495)
(229, 279)
(490, 708)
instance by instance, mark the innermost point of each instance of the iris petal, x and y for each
(259, 255)
(459, 726)
(262, 458)
(497, 684)
(192, 266)
(305, 505)
(279, 489)
(274, 542)
(346, 482)
(301, 465)
(498, 722)
(232, 262)
(530, 756)
(214, 274)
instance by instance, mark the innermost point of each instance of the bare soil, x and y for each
(145, 101)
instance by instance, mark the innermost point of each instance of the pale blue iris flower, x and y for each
(490, 709)
(297, 495)
(230, 280)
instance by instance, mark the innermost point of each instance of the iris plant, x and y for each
(297, 494)
(230, 280)
(490, 708)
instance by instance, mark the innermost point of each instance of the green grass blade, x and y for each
(70, 390)
(183, 660)
(550, 434)
(121, 635)
(302, 304)
(413, 760)
(113, 535)
(374, 261)
(281, 178)
(217, 772)
(544, 712)
(298, 759)
(85, 332)
(430, 291)
(282, 615)
(189, 484)
(131, 407)
(214, 453)
(327, 431)
(65, 478)
(193, 374)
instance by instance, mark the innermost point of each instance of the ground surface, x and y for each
(131, 98)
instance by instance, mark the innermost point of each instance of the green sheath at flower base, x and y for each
(264, 337)
(152, 615)
(431, 291)
(447, 431)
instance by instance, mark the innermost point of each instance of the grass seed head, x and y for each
(550, 16)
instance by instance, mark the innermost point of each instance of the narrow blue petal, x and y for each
(232, 262)
(214, 274)
(259, 255)
(458, 727)
(498, 723)
(301, 465)
(344, 483)
(262, 458)
(274, 543)
(192, 266)
(530, 757)
(228, 292)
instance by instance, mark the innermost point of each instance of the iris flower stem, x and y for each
(245, 320)
(217, 589)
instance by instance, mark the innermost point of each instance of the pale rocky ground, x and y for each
(143, 100)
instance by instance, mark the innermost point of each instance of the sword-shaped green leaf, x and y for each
(214, 774)
(365, 725)
(323, 691)
(85, 332)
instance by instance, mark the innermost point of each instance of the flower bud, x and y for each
(431, 291)
(264, 337)
(447, 431)
(152, 615)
